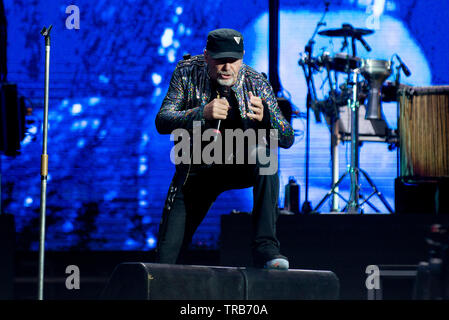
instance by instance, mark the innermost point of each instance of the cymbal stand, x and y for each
(353, 204)
(334, 139)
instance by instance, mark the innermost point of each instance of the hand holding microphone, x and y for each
(218, 108)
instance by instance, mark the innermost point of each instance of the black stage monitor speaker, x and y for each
(422, 195)
(153, 281)
(7, 243)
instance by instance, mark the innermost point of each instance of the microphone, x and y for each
(404, 68)
(222, 92)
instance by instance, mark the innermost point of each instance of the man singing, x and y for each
(217, 90)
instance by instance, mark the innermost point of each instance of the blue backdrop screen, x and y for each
(109, 170)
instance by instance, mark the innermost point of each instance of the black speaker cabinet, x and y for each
(422, 195)
(7, 242)
(152, 281)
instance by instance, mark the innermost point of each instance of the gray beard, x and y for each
(226, 82)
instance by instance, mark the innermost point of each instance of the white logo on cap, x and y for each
(237, 39)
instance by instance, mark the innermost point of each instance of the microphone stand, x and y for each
(397, 84)
(44, 166)
(307, 206)
(311, 95)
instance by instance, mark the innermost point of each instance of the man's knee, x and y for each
(168, 250)
(266, 159)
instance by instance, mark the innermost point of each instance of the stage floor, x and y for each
(344, 244)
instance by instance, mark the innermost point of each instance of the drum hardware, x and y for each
(331, 107)
(335, 100)
(353, 205)
(348, 31)
(351, 96)
(367, 128)
(340, 62)
(339, 118)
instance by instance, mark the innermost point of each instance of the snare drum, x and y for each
(424, 131)
(341, 62)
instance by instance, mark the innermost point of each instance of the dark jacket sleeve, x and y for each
(277, 120)
(173, 113)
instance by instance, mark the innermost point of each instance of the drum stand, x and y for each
(352, 205)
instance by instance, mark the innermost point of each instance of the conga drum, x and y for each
(424, 131)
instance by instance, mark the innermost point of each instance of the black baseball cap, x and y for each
(225, 43)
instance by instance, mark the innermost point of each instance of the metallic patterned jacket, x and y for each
(190, 91)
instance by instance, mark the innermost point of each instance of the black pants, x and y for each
(187, 205)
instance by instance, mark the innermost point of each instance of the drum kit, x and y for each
(348, 116)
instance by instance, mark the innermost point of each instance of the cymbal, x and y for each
(346, 31)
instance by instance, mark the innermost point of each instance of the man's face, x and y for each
(224, 70)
